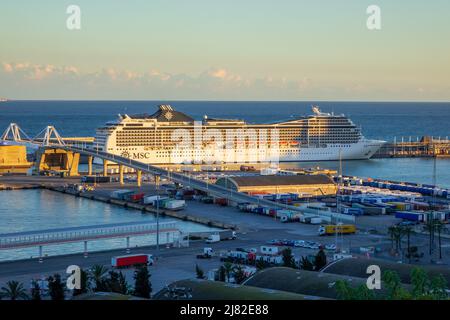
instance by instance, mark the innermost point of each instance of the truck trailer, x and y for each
(333, 229)
(133, 260)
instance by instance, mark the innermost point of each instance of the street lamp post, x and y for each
(157, 212)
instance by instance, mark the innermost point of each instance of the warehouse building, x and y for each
(315, 185)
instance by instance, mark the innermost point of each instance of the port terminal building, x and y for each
(13, 160)
(316, 185)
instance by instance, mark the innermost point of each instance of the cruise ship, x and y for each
(172, 137)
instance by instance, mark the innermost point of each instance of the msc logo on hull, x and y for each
(136, 155)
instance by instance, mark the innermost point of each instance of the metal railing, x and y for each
(85, 233)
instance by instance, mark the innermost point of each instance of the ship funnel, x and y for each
(165, 107)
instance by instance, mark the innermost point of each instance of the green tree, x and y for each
(419, 282)
(239, 274)
(345, 292)
(98, 274)
(35, 291)
(364, 293)
(199, 272)
(320, 260)
(84, 284)
(14, 290)
(288, 259)
(260, 264)
(305, 264)
(113, 281)
(142, 284)
(439, 288)
(56, 287)
(393, 284)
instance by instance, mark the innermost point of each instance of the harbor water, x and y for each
(418, 170)
(28, 210)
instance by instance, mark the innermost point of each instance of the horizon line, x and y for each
(222, 100)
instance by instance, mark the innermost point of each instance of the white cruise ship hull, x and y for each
(362, 150)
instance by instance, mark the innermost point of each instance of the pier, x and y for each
(409, 148)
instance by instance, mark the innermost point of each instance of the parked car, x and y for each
(299, 243)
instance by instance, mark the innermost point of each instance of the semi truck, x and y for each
(207, 254)
(227, 235)
(333, 229)
(133, 260)
(223, 235)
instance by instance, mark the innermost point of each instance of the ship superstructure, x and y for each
(169, 136)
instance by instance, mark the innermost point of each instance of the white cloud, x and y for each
(25, 80)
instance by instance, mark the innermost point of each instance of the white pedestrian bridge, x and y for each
(86, 233)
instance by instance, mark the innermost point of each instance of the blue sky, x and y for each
(225, 50)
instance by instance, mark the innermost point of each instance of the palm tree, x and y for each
(239, 274)
(35, 291)
(98, 273)
(408, 231)
(199, 271)
(228, 270)
(440, 227)
(14, 290)
(56, 287)
(396, 235)
(429, 227)
(391, 231)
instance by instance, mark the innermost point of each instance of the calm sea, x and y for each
(378, 120)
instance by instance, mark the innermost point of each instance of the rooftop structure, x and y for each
(318, 184)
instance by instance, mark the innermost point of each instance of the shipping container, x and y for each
(352, 211)
(410, 216)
